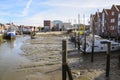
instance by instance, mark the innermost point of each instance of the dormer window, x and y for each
(112, 13)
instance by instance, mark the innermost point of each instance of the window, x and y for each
(119, 15)
(101, 48)
(112, 13)
(102, 28)
(113, 47)
(118, 27)
(112, 27)
(112, 20)
(119, 19)
(103, 16)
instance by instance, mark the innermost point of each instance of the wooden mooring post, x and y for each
(64, 59)
(78, 41)
(84, 43)
(108, 59)
(69, 72)
(119, 61)
(75, 40)
(65, 67)
(92, 55)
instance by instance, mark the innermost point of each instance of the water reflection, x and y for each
(9, 55)
(11, 43)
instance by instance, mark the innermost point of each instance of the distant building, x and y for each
(48, 25)
(67, 26)
(57, 25)
(27, 29)
(7, 25)
(75, 26)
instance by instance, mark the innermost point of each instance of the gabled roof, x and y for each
(99, 14)
(107, 11)
(93, 17)
(118, 6)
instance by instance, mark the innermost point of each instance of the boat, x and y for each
(1, 37)
(11, 33)
(99, 47)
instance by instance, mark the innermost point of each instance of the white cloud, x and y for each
(79, 3)
(65, 10)
(26, 9)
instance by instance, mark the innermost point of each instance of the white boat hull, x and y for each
(99, 47)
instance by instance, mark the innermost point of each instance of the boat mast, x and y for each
(78, 21)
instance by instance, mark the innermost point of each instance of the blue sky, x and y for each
(33, 12)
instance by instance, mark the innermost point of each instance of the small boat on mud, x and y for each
(98, 45)
(1, 38)
(11, 33)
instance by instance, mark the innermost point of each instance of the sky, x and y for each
(34, 12)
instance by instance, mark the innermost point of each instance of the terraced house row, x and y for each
(107, 22)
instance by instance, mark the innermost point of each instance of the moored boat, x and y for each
(11, 33)
(1, 38)
(98, 45)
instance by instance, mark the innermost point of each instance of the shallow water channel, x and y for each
(10, 57)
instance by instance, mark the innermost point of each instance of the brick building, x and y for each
(48, 25)
(107, 22)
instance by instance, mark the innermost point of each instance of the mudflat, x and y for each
(45, 61)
